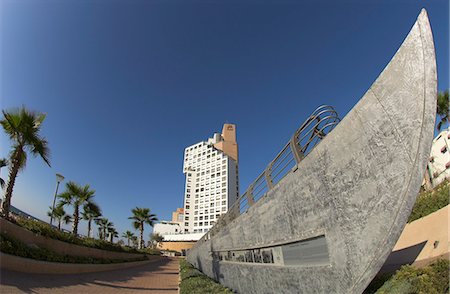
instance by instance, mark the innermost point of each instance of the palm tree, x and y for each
(76, 195)
(59, 214)
(91, 211)
(22, 126)
(442, 108)
(142, 216)
(3, 163)
(104, 225)
(129, 236)
(112, 233)
(100, 233)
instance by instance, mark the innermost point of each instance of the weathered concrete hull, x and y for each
(356, 187)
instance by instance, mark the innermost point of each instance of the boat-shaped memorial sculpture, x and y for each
(327, 211)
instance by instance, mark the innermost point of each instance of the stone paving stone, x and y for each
(161, 276)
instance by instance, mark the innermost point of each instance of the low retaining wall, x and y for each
(27, 265)
(60, 247)
(421, 242)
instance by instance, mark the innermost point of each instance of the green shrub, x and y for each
(193, 281)
(430, 201)
(432, 279)
(46, 230)
(10, 245)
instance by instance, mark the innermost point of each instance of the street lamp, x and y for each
(59, 179)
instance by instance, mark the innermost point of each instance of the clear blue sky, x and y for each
(127, 85)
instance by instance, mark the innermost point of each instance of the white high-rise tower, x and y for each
(212, 181)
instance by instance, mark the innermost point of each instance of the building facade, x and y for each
(212, 180)
(178, 216)
(438, 167)
(166, 228)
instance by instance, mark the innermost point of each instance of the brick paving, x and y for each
(160, 276)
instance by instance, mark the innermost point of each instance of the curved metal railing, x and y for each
(314, 129)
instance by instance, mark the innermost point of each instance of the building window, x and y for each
(444, 149)
(186, 224)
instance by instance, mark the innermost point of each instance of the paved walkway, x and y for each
(157, 277)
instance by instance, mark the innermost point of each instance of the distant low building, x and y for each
(180, 242)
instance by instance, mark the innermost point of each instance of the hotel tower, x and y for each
(212, 180)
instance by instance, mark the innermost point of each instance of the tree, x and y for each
(3, 163)
(156, 239)
(129, 236)
(91, 211)
(103, 226)
(140, 217)
(442, 108)
(112, 233)
(121, 242)
(59, 214)
(100, 233)
(76, 196)
(23, 127)
(134, 240)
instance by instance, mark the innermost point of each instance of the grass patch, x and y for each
(193, 281)
(48, 231)
(432, 279)
(430, 201)
(10, 245)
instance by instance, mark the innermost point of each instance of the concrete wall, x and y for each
(57, 246)
(27, 265)
(422, 241)
(356, 187)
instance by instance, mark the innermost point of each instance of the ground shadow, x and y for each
(401, 257)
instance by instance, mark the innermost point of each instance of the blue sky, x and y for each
(127, 85)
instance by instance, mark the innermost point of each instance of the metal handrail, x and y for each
(306, 137)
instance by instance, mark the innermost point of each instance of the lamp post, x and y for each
(59, 179)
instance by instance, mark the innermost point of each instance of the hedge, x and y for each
(430, 201)
(12, 246)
